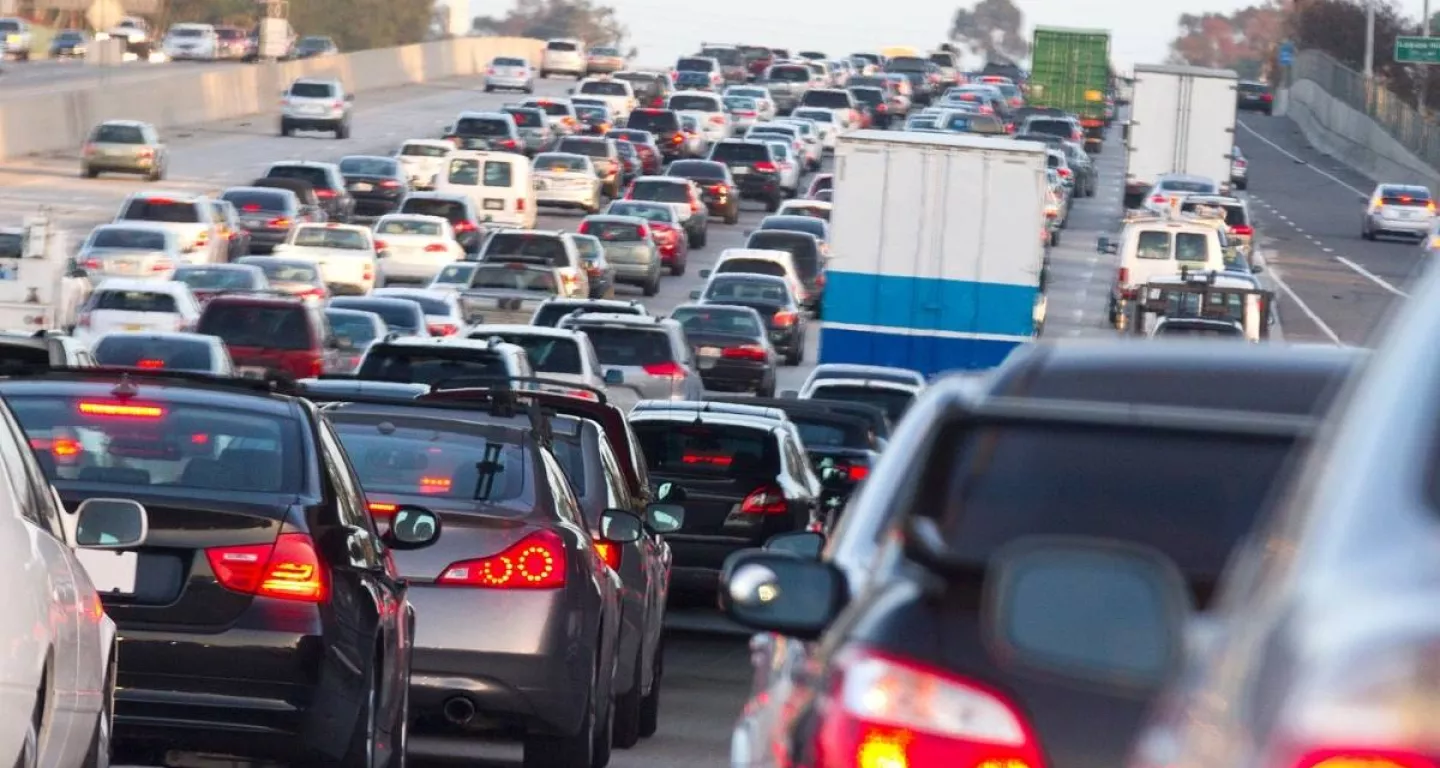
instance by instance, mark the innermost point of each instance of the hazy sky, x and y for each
(666, 29)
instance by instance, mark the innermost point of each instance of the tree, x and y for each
(546, 19)
(354, 24)
(1243, 41)
(1331, 26)
(993, 28)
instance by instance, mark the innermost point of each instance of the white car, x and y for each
(817, 208)
(788, 164)
(345, 254)
(563, 55)
(555, 353)
(129, 304)
(191, 41)
(765, 103)
(707, 108)
(827, 120)
(617, 94)
(810, 134)
(443, 313)
(509, 73)
(416, 247)
(567, 180)
(423, 160)
(190, 216)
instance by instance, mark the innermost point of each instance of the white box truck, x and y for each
(937, 256)
(1182, 120)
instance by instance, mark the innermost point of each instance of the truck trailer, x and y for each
(937, 259)
(1070, 70)
(1182, 120)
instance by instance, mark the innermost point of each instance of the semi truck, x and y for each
(1182, 120)
(937, 263)
(1070, 71)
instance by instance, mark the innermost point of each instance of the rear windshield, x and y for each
(868, 95)
(790, 74)
(629, 346)
(695, 102)
(591, 113)
(1406, 196)
(23, 358)
(509, 61)
(604, 88)
(410, 227)
(527, 118)
(289, 271)
(614, 231)
(325, 237)
(1181, 185)
(312, 90)
(465, 171)
(697, 170)
(715, 450)
(213, 279)
(829, 99)
(430, 365)
(808, 225)
(585, 147)
(255, 202)
(198, 446)
(751, 266)
(818, 115)
(138, 239)
(800, 246)
(504, 277)
(560, 45)
(1205, 330)
(521, 244)
(482, 126)
(11, 244)
(739, 289)
(134, 301)
(429, 305)
(555, 108)
(398, 314)
(455, 274)
(740, 151)
(450, 210)
(368, 166)
(907, 64)
(438, 457)
(819, 432)
(893, 401)
(659, 191)
(257, 325)
(187, 32)
(657, 120)
(140, 352)
(1254, 88)
(550, 314)
(118, 134)
(317, 177)
(547, 354)
(425, 150)
(1061, 128)
(718, 320)
(360, 329)
(1234, 214)
(694, 65)
(161, 210)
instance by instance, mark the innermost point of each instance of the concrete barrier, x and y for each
(1352, 137)
(52, 121)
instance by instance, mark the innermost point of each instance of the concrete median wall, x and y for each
(1352, 137)
(53, 121)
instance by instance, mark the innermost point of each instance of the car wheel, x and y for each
(364, 733)
(1366, 233)
(650, 705)
(574, 751)
(1243, 185)
(489, 89)
(677, 268)
(1055, 238)
(773, 204)
(732, 217)
(702, 237)
(342, 131)
(285, 129)
(627, 708)
(89, 172)
(795, 356)
(544, 74)
(653, 287)
(766, 390)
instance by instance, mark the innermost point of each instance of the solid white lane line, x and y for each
(1371, 276)
(1300, 160)
(1310, 313)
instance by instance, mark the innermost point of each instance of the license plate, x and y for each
(135, 327)
(312, 110)
(112, 573)
(709, 352)
(252, 225)
(739, 171)
(251, 372)
(494, 205)
(361, 186)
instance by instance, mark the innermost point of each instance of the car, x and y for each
(807, 253)
(69, 44)
(694, 143)
(873, 103)
(311, 209)
(788, 162)
(650, 352)
(233, 43)
(328, 182)
(659, 223)
(207, 281)
(231, 230)
(551, 312)
(753, 166)
(824, 371)
(682, 195)
(838, 103)
(271, 335)
(1177, 185)
(806, 207)
(1239, 225)
(1079, 162)
(509, 73)
(1254, 97)
(253, 597)
(1009, 442)
(403, 317)
(568, 180)
(1398, 209)
(312, 46)
(630, 248)
(189, 216)
(441, 308)
(717, 187)
(764, 103)
(810, 225)
(186, 352)
(744, 111)
(345, 253)
(423, 160)
(460, 210)
(664, 125)
(554, 248)
(354, 331)
(879, 389)
(787, 82)
(124, 146)
(559, 114)
(645, 147)
(131, 304)
(443, 361)
(563, 358)
(23, 352)
(762, 262)
(296, 277)
(563, 56)
(377, 183)
(632, 166)
(617, 94)
(603, 155)
(416, 248)
(1239, 169)
(651, 88)
(316, 104)
(772, 298)
(192, 42)
(707, 108)
(732, 61)
(603, 60)
(596, 119)
(534, 127)
(137, 250)
(697, 73)
(476, 130)
(731, 346)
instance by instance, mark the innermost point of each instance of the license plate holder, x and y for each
(739, 171)
(711, 352)
(361, 186)
(494, 205)
(111, 571)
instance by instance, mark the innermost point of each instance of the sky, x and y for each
(663, 30)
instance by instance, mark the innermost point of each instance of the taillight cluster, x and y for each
(534, 562)
(288, 569)
(666, 370)
(766, 500)
(745, 352)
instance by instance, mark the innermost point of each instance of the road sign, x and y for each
(104, 14)
(1287, 54)
(1417, 50)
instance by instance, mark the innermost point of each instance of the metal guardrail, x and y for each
(1388, 109)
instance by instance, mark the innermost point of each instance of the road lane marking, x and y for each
(1310, 313)
(1374, 278)
(1299, 160)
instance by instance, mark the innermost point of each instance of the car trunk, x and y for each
(709, 346)
(470, 533)
(258, 362)
(109, 320)
(119, 262)
(716, 480)
(534, 285)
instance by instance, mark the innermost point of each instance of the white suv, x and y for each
(563, 55)
(316, 104)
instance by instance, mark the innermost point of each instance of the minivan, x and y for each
(563, 56)
(499, 183)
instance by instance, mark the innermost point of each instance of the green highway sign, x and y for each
(1417, 50)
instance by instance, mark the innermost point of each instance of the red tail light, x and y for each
(716, 188)
(250, 208)
(883, 710)
(289, 569)
(464, 226)
(434, 248)
(717, 119)
(667, 370)
(317, 367)
(1241, 229)
(785, 318)
(490, 71)
(1370, 757)
(765, 166)
(381, 245)
(84, 320)
(644, 232)
(583, 394)
(443, 329)
(768, 500)
(1268, 97)
(748, 352)
(583, 228)
(610, 553)
(92, 264)
(857, 472)
(1158, 199)
(280, 223)
(150, 365)
(746, 113)
(390, 184)
(677, 138)
(1123, 276)
(534, 562)
(520, 205)
(121, 410)
(378, 509)
(325, 193)
(1064, 173)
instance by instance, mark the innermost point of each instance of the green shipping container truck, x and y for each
(1070, 70)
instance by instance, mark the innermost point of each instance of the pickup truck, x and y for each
(509, 292)
(345, 254)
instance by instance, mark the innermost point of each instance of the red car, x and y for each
(651, 160)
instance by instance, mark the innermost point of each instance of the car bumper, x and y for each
(267, 239)
(752, 187)
(510, 83)
(367, 204)
(736, 375)
(1417, 227)
(568, 197)
(121, 164)
(636, 274)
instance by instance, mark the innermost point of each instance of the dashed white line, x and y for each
(1297, 159)
(1376, 279)
(1329, 250)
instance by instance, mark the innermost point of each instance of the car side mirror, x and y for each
(1256, 269)
(449, 129)
(412, 527)
(620, 526)
(111, 524)
(1096, 611)
(778, 592)
(614, 376)
(704, 274)
(664, 518)
(807, 544)
(1102, 245)
(694, 295)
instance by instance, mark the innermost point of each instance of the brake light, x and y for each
(1123, 276)
(280, 223)
(150, 365)
(1268, 97)
(535, 562)
(767, 500)
(490, 71)
(434, 485)
(712, 461)
(746, 113)
(1064, 173)
(784, 318)
(464, 226)
(431, 248)
(696, 206)
(202, 238)
(289, 569)
(583, 394)
(390, 184)
(1158, 199)
(1241, 229)
(884, 711)
(520, 205)
(765, 166)
(250, 208)
(325, 193)
(89, 150)
(84, 320)
(1431, 206)
(666, 370)
(747, 352)
(121, 410)
(316, 365)
(92, 264)
(643, 232)
(381, 245)
(379, 509)
(676, 138)
(610, 553)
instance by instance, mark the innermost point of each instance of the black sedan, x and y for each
(731, 347)
(769, 296)
(377, 183)
(717, 186)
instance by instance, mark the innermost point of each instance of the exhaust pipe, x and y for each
(459, 710)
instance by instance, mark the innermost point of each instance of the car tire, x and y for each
(773, 204)
(626, 732)
(575, 751)
(489, 89)
(365, 732)
(733, 218)
(765, 391)
(544, 74)
(796, 356)
(1055, 238)
(89, 173)
(1365, 233)
(342, 131)
(651, 288)
(701, 238)
(677, 268)
(285, 129)
(650, 705)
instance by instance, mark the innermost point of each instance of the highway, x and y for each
(21, 77)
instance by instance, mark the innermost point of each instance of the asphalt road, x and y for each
(707, 676)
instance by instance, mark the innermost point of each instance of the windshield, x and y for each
(399, 314)
(615, 231)
(528, 244)
(747, 290)
(697, 169)
(586, 147)
(548, 354)
(907, 64)
(317, 177)
(154, 354)
(133, 301)
(430, 365)
(414, 227)
(629, 346)
(438, 457)
(661, 213)
(12, 244)
(274, 326)
(359, 328)
(818, 115)
(423, 150)
(325, 237)
(893, 401)
(741, 151)
(717, 320)
(198, 446)
(118, 134)
(604, 88)
(554, 108)
(741, 104)
(695, 103)
(134, 239)
(367, 166)
(694, 65)
(219, 279)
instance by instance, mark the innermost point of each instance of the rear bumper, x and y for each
(758, 188)
(736, 375)
(636, 274)
(312, 123)
(266, 239)
(121, 164)
(509, 83)
(1417, 227)
(568, 198)
(368, 204)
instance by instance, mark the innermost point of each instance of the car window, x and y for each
(697, 320)
(368, 166)
(212, 279)
(548, 354)
(359, 329)
(257, 325)
(161, 210)
(819, 432)
(509, 61)
(561, 46)
(695, 169)
(256, 201)
(110, 133)
(604, 88)
(455, 274)
(1178, 185)
(629, 346)
(790, 74)
(585, 147)
(429, 304)
(1152, 244)
(23, 358)
(591, 113)
(1191, 246)
(12, 244)
(312, 90)
(526, 118)
(325, 237)
(615, 231)
(289, 272)
(399, 315)
(319, 178)
(134, 301)
(526, 244)
(450, 210)
(121, 237)
(498, 174)
(430, 365)
(423, 150)
(152, 354)
(893, 401)
(713, 450)
(694, 64)
(654, 120)
(741, 152)
(828, 99)
(410, 227)
(732, 289)
(463, 170)
(751, 266)
(503, 277)
(683, 101)
(660, 191)
(482, 126)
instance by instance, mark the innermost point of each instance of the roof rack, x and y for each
(274, 384)
(699, 407)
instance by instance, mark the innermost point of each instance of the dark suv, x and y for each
(262, 581)
(267, 214)
(328, 182)
(269, 335)
(717, 186)
(1254, 97)
(664, 125)
(752, 164)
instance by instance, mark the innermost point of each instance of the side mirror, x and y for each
(79, 272)
(789, 394)
(1092, 610)
(569, 90)
(620, 526)
(412, 527)
(807, 544)
(779, 592)
(614, 376)
(349, 97)
(449, 129)
(671, 493)
(111, 524)
(704, 273)
(694, 295)
(665, 518)
(477, 319)
(1102, 245)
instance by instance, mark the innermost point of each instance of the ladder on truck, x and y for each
(32, 286)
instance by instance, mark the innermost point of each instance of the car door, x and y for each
(652, 548)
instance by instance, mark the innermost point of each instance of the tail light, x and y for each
(696, 206)
(666, 370)
(435, 248)
(380, 509)
(784, 318)
(325, 193)
(381, 245)
(857, 472)
(368, 273)
(883, 710)
(717, 120)
(677, 138)
(534, 562)
(279, 223)
(390, 184)
(1123, 276)
(89, 150)
(767, 500)
(316, 293)
(464, 226)
(161, 266)
(289, 569)
(765, 166)
(490, 71)
(509, 144)
(519, 205)
(202, 239)
(584, 228)
(718, 189)
(746, 113)
(147, 153)
(92, 264)
(1430, 206)
(747, 352)
(786, 165)
(443, 329)
(1158, 199)
(1241, 229)
(1268, 97)
(610, 553)
(316, 366)
(250, 208)
(1064, 173)
(338, 105)
(150, 365)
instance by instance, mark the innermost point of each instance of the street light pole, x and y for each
(1369, 51)
(1424, 69)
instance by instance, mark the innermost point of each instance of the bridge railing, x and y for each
(1419, 134)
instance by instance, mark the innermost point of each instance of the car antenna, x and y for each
(125, 387)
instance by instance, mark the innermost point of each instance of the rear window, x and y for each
(697, 170)
(560, 45)
(555, 108)
(118, 134)
(694, 65)
(661, 191)
(749, 291)
(893, 401)
(823, 433)
(312, 90)
(213, 279)
(410, 227)
(450, 210)
(1234, 214)
(197, 446)
(368, 166)
(23, 358)
(827, 99)
(715, 450)
(743, 152)
(655, 121)
(800, 246)
(119, 237)
(398, 314)
(430, 305)
(466, 171)
(525, 118)
(359, 329)
(604, 88)
(818, 115)
(790, 74)
(717, 320)
(12, 244)
(629, 346)
(806, 224)
(430, 365)
(549, 247)
(614, 231)
(317, 177)
(1406, 196)
(584, 147)
(751, 266)
(907, 64)
(1254, 88)
(425, 150)
(289, 272)
(438, 457)
(254, 202)
(1190, 246)
(508, 278)
(728, 57)
(509, 61)
(134, 301)
(161, 210)
(257, 325)
(481, 126)
(868, 95)
(187, 32)
(548, 354)
(140, 352)
(455, 274)
(325, 237)
(1201, 330)
(695, 102)
(1061, 128)
(1182, 185)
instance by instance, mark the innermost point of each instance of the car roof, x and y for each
(856, 370)
(353, 312)
(152, 387)
(611, 318)
(748, 277)
(163, 336)
(383, 301)
(517, 329)
(140, 285)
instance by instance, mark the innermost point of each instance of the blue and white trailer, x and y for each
(936, 250)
